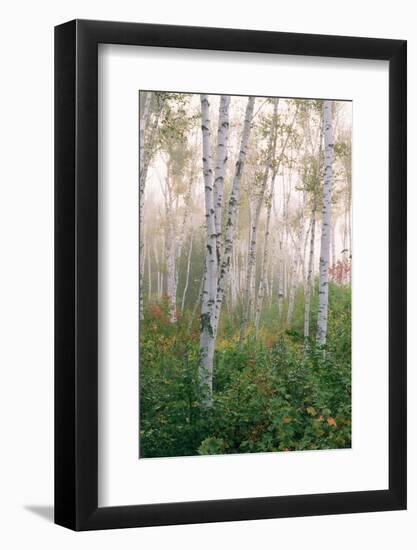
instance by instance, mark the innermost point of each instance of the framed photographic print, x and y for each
(230, 247)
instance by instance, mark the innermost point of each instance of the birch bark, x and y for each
(158, 271)
(232, 211)
(255, 213)
(282, 274)
(210, 277)
(307, 296)
(187, 276)
(322, 315)
(149, 275)
(310, 268)
(294, 272)
(333, 247)
(291, 295)
(219, 170)
(280, 278)
(170, 252)
(297, 241)
(186, 213)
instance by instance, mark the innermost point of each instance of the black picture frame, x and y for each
(76, 272)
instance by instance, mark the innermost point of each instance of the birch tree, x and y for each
(269, 201)
(170, 247)
(255, 208)
(215, 279)
(232, 210)
(296, 241)
(307, 293)
(187, 276)
(312, 188)
(221, 158)
(210, 275)
(325, 231)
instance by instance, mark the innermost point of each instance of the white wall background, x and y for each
(26, 272)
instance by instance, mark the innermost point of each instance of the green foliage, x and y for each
(212, 446)
(276, 393)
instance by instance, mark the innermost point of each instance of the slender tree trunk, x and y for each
(187, 277)
(333, 248)
(250, 272)
(158, 271)
(325, 232)
(296, 264)
(171, 273)
(234, 280)
(232, 211)
(307, 296)
(142, 127)
(271, 284)
(264, 275)
(219, 170)
(250, 276)
(170, 249)
(186, 214)
(291, 294)
(310, 269)
(349, 278)
(207, 332)
(149, 275)
(280, 279)
(197, 304)
(303, 257)
(344, 237)
(283, 235)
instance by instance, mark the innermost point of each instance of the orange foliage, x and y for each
(340, 271)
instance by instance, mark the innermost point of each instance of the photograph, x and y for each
(209, 275)
(245, 253)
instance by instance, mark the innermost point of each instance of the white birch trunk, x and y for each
(158, 271)
(282, 267)
(271, 284)
(219, 169)
(291, 295)
(142, 126)
(187, 277)
(345, 229)
(307, 296)
(280, 279)
(149, 275)
(255, 213)
(207, 331)
(171, 273)
(333, 248)
(325, 231)
(264, 276)
(297, 242)
(170, 249)
(197, 304)
(232, 211)
(185, 217)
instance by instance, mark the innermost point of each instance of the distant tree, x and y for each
(325, 225)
